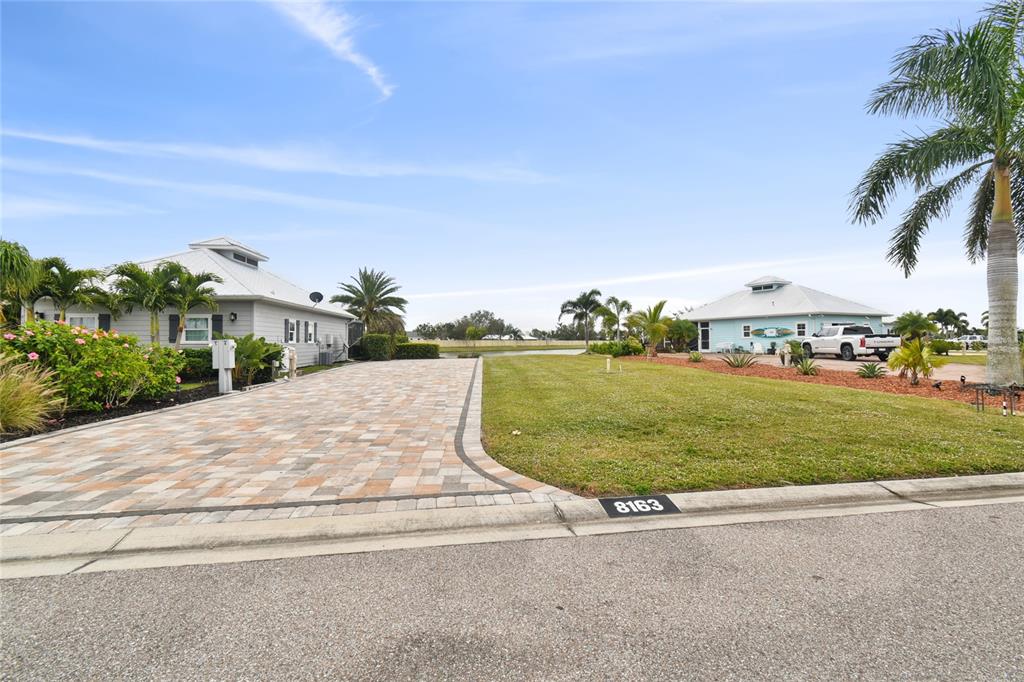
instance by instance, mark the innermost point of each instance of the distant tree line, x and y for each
(470, 327)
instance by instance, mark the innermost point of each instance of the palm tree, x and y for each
(654, 324)
(682, 332)
(948, 319)
(915, 358)
(612, 311)
(984, 320)
(913, 325)
(67, 286)
(116, 303)
(190, 291)
(149, 289)
(582, 308)
(971, 79)
(18, 272)
(371, 297)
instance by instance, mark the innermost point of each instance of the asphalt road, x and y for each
(935, 594)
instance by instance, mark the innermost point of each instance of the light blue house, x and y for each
(771, 310)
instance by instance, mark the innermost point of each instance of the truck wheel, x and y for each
(882, 355)
(846, 352)
(808, 353)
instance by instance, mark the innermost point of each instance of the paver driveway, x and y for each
(364, 438)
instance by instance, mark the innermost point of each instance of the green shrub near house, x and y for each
(942, 346)
(95, 369)
(198, 364)
(378, 346)
(417, 351)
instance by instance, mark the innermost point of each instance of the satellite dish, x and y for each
(316, 297)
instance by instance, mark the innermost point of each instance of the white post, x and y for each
(223, 353)
(608, 365)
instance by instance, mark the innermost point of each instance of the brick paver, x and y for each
(371, 437)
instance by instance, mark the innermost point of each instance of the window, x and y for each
(291, 331)
(197, 329)
(87, 321)
(801, 329)
(746, 331)
(309, 332)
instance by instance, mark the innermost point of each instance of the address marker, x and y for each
(640, 505)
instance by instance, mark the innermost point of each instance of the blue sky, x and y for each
(487, 155)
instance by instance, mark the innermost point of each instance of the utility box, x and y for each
(223, 352)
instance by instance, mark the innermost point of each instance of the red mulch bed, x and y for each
(888, 384)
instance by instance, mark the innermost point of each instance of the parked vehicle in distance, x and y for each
(969, 339)
(849, 342)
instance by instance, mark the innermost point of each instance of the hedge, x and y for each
(417, 351)
(198, 364)
(378, 346)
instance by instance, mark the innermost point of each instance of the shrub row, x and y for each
(417, 351)
(198, 364)
(631, 346)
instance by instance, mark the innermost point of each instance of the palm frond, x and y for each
(979, 218)
(914, 160)
(930, 205)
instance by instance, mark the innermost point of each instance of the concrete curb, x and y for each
(87, 551)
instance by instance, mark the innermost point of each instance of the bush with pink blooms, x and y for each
(95, 369)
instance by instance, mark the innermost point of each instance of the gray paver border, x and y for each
(460, 447)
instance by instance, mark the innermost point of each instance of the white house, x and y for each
(770, 310)
(250, 300)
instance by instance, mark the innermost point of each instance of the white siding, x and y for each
(269, 323)
(137, 322)
(257, 317)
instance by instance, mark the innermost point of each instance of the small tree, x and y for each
(916, 359)
(914, 325)
(681, 333)
(67, 286)
(148, 289)
(654, 324)
(190, 291)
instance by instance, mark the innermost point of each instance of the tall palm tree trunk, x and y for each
(1004, 364)
(586, 332)
(154, 326)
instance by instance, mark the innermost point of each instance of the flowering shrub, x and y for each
(95, 369)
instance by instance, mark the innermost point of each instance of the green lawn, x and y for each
(491, 349)
(313, 369)
(973, 359)
(658, 428)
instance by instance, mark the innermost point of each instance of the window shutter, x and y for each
(218, 324)
(316, 338)
(286, 330)
(172, 322)
(104, 321)
(305, 332)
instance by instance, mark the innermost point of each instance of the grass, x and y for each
(659, 428)
(973, 359)
(313, 369)
(187, 385)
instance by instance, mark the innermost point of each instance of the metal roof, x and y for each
(243, 281)
(785, 299)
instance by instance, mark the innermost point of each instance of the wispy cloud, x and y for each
(628, 279)
(17, 207)
(222, 190)
(333, 26)
(288, 159)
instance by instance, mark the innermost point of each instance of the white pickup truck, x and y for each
(850, 341)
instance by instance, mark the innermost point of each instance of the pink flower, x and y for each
(125, 345)
(61, 322)
(33, 356)
(99, 374)
(29, 332)
(80, 342)
(95, 336)
(177, 380)
(9, 336)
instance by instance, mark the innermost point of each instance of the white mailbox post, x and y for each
(224, 362)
